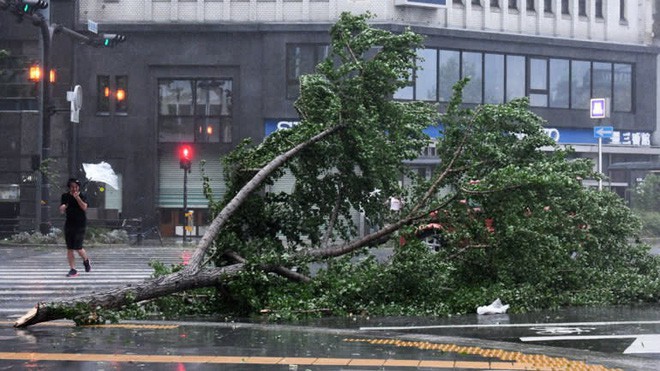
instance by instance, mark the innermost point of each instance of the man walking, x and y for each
(74, 204)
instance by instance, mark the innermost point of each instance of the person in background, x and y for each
(74, 204)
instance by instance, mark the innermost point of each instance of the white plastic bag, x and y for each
(495, 307)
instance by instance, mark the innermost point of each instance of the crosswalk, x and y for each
(29, 275)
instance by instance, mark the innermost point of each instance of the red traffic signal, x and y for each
(185, 156)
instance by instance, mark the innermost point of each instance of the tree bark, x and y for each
(115, 299)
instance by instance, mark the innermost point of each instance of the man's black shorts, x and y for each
(74, 238)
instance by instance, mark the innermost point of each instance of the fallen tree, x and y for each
(504, 204)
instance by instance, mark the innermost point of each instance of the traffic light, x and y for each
(185, 157)
(30, 6)
(109, 40)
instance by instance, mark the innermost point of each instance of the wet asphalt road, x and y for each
(579, 338)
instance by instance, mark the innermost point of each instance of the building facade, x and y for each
(212, 73)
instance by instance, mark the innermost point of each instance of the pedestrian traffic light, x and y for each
(185, 157)
(109, 40)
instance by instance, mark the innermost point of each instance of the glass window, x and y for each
(515, 77)
(208, 120)
(559, 83)
(408, 91)
(476, 2)
(538, 82)
(426, 77)
(530, 5)
(103, 94)
(301, 59)
(513, 4)
(622, 99)
(622, 10)
(175, 97)
(599, 9)
(547, 6)
(17, 92)
(582, 8)
(472, 68)
(121, 95)
(449, 73)
(602, 80)
(580, 84)
(564, 7)
(494, 3)
(493, 78)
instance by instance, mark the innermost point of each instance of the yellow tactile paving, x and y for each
(519, 360)
(109, 325)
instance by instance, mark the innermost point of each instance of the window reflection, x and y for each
(494, 78)
(580, 84)
(196, 110)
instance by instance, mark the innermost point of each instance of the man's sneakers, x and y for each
(88, 267)
(74, 273)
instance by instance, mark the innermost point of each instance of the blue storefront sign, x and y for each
(560, 135)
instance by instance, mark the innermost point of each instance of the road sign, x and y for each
(599, 108)
(603, 131)
(92, 26)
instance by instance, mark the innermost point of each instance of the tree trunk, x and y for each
(115, 299)
(192, 277)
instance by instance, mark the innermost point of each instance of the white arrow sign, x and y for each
(642, 344)
(603, 131)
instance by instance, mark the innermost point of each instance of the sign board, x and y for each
(603, 131)
(421, 3)
(92, 26)
(599, 108)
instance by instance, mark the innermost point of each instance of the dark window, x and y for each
(17, 92)
(582, 8)
(622, 10)
(121, 94)
(494, 3)
(476, 2)
(599, 8)
(301, 59)
(195, 110)
(564, 7)
(547, 6)
(530, 5)
(103, 94)
(513, 4)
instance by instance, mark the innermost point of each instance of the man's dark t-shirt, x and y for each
(75, 216)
